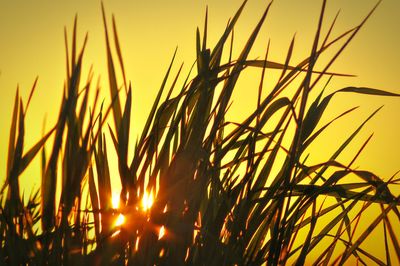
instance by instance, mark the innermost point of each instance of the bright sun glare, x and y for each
(115, 204)
(115, 200)
(147, 200)
(120, 220)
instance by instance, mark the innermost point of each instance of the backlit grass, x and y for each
(200, 189)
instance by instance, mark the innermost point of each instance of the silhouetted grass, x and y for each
(217, 199)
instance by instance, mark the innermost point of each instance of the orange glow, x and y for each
(120, 220)
(147, 200)
(161, 233)
(161, 254)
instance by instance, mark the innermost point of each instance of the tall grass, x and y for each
(222, 195)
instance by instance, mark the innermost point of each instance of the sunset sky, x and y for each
(32, 44)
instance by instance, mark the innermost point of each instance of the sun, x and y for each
(120, 220)
(115, 200)
(146, 204)
(147, 200)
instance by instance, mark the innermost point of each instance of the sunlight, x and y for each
(161, 233)
(120, 220)
(116, 233)
(137, 243)
(147, 200)
(115, 200)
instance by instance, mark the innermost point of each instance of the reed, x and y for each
(200, 189)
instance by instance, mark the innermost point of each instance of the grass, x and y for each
(222, 194)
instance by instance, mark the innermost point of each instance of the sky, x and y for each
(149, 31)
(32, 44)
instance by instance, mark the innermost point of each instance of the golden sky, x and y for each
(32, 45)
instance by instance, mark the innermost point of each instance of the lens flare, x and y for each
(116, 233)
(137, 243)
(161, 233)
(162, 252)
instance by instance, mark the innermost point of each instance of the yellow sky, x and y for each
(32, 44)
